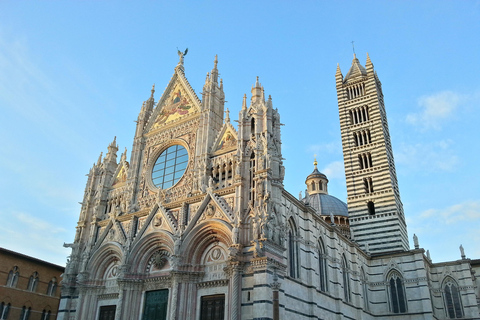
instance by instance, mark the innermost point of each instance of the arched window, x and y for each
(346, 279)
(13, 277)
(252, 126)
(398, 303)
(364, 281)
(52, 287)
(252, 174)
(25, 313)
(453, 302)
(32, 282)
(322, 266)
(46, 314)
(4, 310)
(292, 251)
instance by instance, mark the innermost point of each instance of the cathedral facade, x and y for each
(198, 225)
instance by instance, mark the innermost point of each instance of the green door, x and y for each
(155, 305)
(107, 313)
(213, 307)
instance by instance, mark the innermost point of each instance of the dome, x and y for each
(326, 204)
(316, 174)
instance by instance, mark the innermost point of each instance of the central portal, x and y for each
(213, 307)
(156, 303)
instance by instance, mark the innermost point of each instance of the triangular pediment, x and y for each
(120, 175)
(212, 207)
(226, 139)
(177, 103)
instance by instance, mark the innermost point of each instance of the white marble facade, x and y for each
(199, 217)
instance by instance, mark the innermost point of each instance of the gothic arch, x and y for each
(364, 284)
(452, 298)
(345, 278)
(396, 291)
(322, 265)
(292, 249)
(204, 234)
(102, 258)
(146, 247)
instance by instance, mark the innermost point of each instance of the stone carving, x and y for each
(235, 230)
(210, 211)
(415, 241)
(158, 220)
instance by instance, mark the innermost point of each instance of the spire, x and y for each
(153, 91)
(256, 91)
(269, 102)
(227, 115)
(99, 162)
(244, 103)
(339, 72)
(369, 64)
(356, 70)
(114, 143)
(215, 70)
(123, 157)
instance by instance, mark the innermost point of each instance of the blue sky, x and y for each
(74, 74)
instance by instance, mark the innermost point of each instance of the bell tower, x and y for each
(376, 213)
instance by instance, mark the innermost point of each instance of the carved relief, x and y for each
(158, 261)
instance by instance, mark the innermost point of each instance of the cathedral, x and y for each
(197, 225)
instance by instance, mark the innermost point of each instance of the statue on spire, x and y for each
(181, 55)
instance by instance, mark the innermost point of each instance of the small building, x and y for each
(28, 287)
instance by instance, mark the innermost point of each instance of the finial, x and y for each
(338, 69)
(353, 48)
(215, 62)
(315, 161)
(257, 84)
(99, 162)
(227, 115)
(244, 103)
(153, 91)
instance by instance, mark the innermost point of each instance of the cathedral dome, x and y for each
(317, 195)
(326, 204)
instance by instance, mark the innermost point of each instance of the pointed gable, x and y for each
(121, 176)
(226, 140)
(177, 102)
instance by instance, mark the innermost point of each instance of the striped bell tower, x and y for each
(375, 210)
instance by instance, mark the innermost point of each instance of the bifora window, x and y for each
(170, 166)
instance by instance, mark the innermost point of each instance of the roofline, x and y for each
(24, 256)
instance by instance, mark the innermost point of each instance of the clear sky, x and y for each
(74, 74)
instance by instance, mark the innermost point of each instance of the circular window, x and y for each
(170, 167)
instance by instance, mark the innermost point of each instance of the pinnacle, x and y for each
(153, 91)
